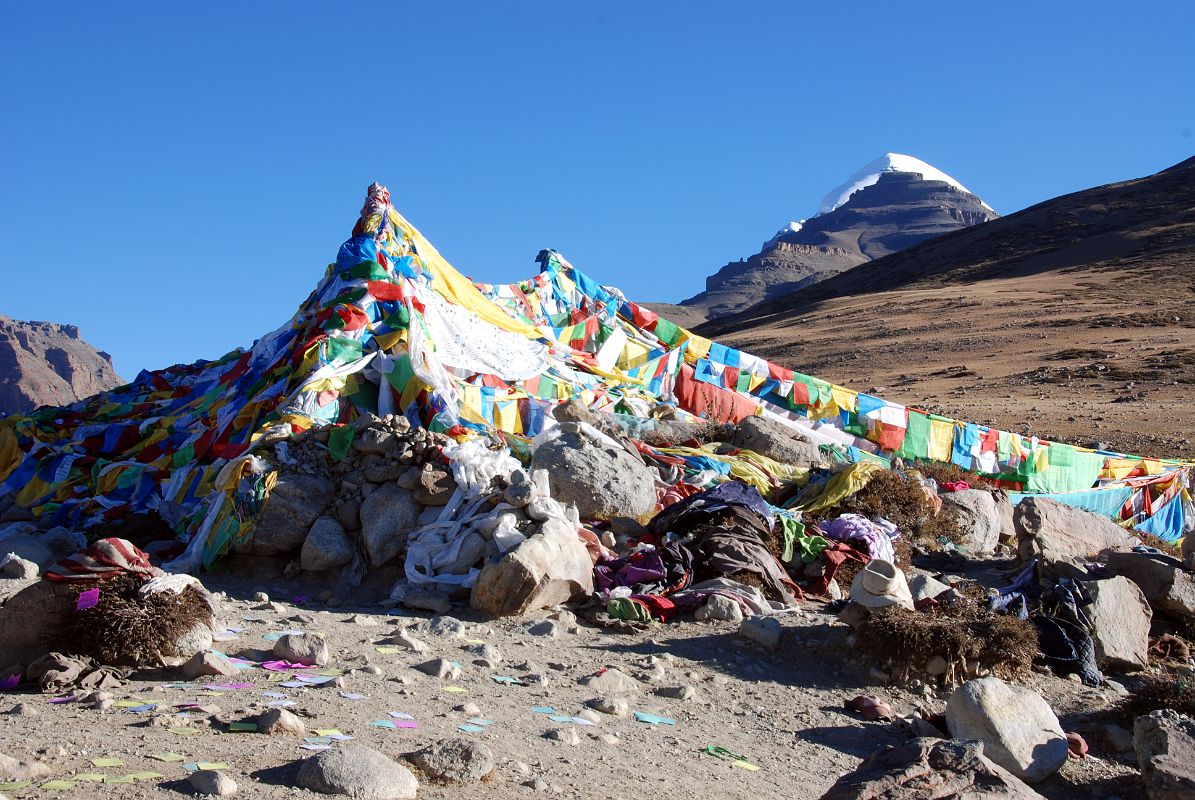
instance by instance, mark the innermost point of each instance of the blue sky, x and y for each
(174, 177)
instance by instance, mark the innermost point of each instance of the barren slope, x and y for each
(1073, 319)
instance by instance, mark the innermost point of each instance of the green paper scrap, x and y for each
(153, 776)
(211, 765)
(735, 760)
(388, 650)
(331, 672)
(453, 689)
(13, 786)
(184, 731)
(480, 721)
(543, 709)
(59, 786)
(88, 777)
(652, 719)
(107, 762)
(383, 723)
(169, 758)
(471, 728)
(243, 727)
(317, 740)
(560, 718)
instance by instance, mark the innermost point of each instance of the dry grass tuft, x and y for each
(1166, 691)
(968, 637)
(129, 628)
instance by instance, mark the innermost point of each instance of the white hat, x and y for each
(881, 584)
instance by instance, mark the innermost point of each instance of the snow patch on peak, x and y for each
(870, 173)
(791, 227)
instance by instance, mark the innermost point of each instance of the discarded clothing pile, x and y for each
(1055, 607)
(704, 544)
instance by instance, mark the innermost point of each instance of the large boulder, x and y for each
(32, 621)
(1165, 745)
(598, 477)
(548, 568)
(930, 769)
(1018, 728)
(976, 513)
(1120, 618)
(776, 441)
(1161, 578)
(295, 502)
(358, 772)
(326, 546)
(388, 515)
(1062, 536)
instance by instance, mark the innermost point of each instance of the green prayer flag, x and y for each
(666, 332)
(340, 440)
(916, 443)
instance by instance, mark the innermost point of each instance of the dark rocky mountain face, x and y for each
(900, 210)
(44, 363)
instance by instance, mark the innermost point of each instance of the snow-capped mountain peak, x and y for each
(870, 173)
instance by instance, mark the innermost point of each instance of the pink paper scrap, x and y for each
(283, 666)
(89, 598)
(406, 723)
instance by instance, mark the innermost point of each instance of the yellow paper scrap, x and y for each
(184, 731)
(89, 777)
(328, 732)
(453, 689)
(60, 786)
(211, 765)
(388, 650)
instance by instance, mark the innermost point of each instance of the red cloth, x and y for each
(708, 401)
(384, 290)
(954, 486)
(107, 558)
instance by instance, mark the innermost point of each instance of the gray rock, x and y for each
(776, 441)
(28, 548)
(280, 722)
(677, 692)
(326, 546)
(440, 668)
(1061, 536)
(375, 441)
(603, 481)
(388, 515)
(17, 568)
(212, 782)
(405, 639)
(1017, 727)
(456, 760)
(442, 627)
(614, 706)
(975, 512)
(1117, 737)
(13, 769)
(546, 627)
(428, 600)
(1161, 578)
(612, 681)
(923, 587)
(207, 663)
(191, 641)
(1165, 745)
(566, 735)
(1188, 551)
(303, 648)
(358, 772)
(930, 768)
(1120, 617)
(295, 502)
(435, 486)
(721, 608)
(548, 568)
(63, 542)
(764, 631)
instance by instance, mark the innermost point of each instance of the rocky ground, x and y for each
(780, 709)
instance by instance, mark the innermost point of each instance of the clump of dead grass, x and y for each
(968, 637)
(899, 499)
(129, 628)
(951, 473)
(1166, 691)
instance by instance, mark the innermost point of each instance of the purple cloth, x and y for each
(876, 535)
(724, 495)
(641, 568)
